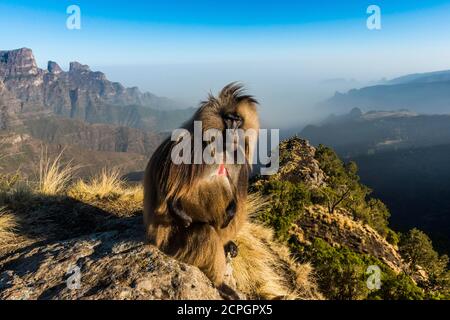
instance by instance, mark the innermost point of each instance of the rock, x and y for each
(108, 265)
(78, 67)
(69, 249)
(53, 67)
(297, 163)
(18, 62)
(339, 229)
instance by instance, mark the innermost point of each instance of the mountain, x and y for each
(94, 120)
(77, 94)
(427, 77)
(371, 132)
(424, 93)
(21, 152)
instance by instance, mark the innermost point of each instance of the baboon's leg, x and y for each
(203, 248)
(229, 233)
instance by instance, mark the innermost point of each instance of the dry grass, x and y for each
(8, 225)
(106, 185)
(54, 177)
(264, 269)
(108, 191)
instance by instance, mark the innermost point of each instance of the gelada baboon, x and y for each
(193, 211)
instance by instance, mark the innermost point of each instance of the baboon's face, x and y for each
(233, 121)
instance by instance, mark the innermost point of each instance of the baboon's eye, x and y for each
(233, 121)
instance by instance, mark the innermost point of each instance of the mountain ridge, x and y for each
(78, 93)
(427, 93)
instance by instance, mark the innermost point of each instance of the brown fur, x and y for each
(203, 198)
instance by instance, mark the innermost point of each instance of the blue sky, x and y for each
(222, 13)
(175, 31)
(183, 49)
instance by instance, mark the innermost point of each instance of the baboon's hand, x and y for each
(232, 249)
(227, 293)
(179, 214)
(230, 212)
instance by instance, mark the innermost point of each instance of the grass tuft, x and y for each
(108, 191)
(106, 185)
(54, 177)
(8, 226)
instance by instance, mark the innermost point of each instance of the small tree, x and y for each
(343, 187)
(417, 250)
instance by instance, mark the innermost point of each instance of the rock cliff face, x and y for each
(17, 63)
(96, 137)
(80, 109)
(79, 93)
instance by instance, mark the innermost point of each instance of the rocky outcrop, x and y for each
(17, 63)
(339, 229)
(108, 265)
(297, 163)
(53, 67)
(82, 246)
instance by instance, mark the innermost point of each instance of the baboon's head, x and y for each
(232, 109)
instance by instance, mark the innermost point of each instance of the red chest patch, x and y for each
(222, 171)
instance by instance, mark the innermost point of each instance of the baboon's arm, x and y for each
(178, 212)
(230, 212)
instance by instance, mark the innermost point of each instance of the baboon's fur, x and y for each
(264, 268)
(202, 198)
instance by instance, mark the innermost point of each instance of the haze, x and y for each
(290, 55)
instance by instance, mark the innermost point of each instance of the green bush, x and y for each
(397, 287)
(341, 274)
(288, 200)
(392, 237)
(417, 251)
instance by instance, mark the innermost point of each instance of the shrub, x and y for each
(287, 202)
(341, 274)
(417, 250)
